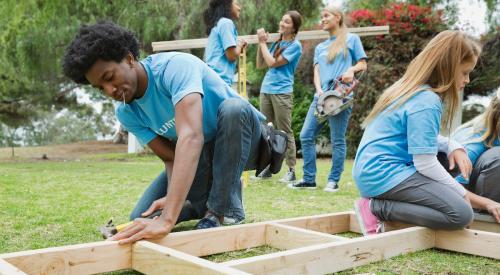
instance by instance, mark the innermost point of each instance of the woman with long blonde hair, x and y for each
(396, 167)
(481, 139)
(340, 56)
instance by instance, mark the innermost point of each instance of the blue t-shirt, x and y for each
(172, 76)
(385, 155)
(222, 36)
(474, 149)
(279, 80)
(329, 71)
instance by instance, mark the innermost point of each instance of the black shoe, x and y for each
(302, 185)
(209, 221)
(265, 174)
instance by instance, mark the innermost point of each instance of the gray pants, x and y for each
(421, 201)
(485, 177)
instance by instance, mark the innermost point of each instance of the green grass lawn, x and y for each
(45, 204)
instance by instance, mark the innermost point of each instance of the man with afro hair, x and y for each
(203, 131)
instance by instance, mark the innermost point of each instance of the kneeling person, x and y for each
(203, 131)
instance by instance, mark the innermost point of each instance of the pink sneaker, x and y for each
(368, 223)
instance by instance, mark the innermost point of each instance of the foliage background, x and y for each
(34, 35)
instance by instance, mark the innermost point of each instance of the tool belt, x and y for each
(272, 149)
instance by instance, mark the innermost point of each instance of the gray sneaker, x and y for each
(232, 221)
(331, 186)
(265, 174)
(289, 177)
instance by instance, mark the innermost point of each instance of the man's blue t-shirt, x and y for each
(468, 138)
(172, 76)
(329, 71)
(279, 80)
(222, 36)
(385, 155)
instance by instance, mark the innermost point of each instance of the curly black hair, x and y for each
(216, 9)
(103, 40)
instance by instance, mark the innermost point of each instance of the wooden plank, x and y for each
(217, 240)
(150, 258)
(8, 269)
(74, 259)
(485, 226)
(288, 237)
(332, 223)
(475, 242)
(252, 39)
(337, 256)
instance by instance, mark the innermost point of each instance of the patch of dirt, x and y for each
(62, 152)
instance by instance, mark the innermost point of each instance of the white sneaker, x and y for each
(331, 186)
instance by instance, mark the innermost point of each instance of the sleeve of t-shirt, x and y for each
(182, 76)
(357, 50)
(423, 130)
(227, 33)
(474, 150)
(133, 125)
(292, 53)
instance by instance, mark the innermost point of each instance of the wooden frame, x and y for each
(308, 246)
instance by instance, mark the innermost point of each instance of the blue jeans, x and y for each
(308, 134)
(217, 186)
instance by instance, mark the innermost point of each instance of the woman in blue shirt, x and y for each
(396, 167)
(276, 100)
(341, 55)
(223, 47)
(481, 139)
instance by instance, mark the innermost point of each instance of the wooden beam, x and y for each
(331, 223)
(337, 256)
(288, 237)
(217, 240)
(252, 39)
(74, 259)
(150, 258)
(8, 269)
(475, 242)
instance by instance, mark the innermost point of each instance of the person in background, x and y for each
(341, 55)
(481, 139)
(223, 47)
(276, 92)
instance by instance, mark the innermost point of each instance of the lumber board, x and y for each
(475, 242)
(485, 226)
(150, 258)
(8, 269)
(216, 240)
(337, 256)
(288, 237)
(332, 223)
(252, 39)
(86, 258)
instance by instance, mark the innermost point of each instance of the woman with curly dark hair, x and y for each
(204, 132)
(223, 47)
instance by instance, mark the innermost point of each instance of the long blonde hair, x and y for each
(437, 66)
(340, 43)
(489, 122)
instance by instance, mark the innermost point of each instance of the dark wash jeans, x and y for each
(217, 185)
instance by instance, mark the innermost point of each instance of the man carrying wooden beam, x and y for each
(203, 131)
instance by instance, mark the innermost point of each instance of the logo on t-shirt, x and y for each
(166, 126)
